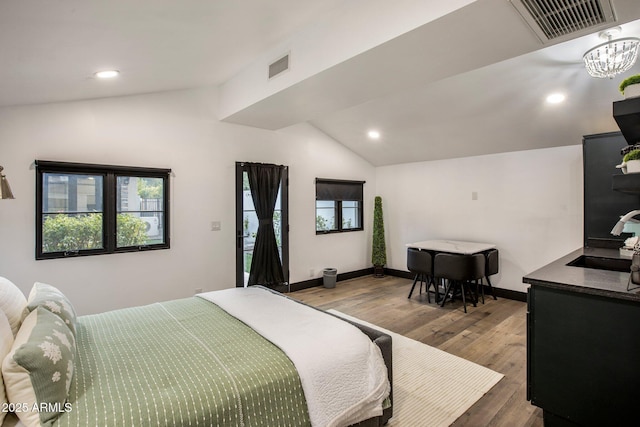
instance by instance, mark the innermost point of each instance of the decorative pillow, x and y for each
(50, 298)
(38, 370)
(6, 341)
(12, 302)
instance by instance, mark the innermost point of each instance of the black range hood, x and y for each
(627, 115)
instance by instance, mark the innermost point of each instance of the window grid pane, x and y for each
(70, 233)
(72, 193)
(351, 215)
(72, 217)
(140, 218)
(326, 215)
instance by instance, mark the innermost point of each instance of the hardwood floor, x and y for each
(492, 335)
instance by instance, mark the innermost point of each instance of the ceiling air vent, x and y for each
(552, 19)
(279, 66)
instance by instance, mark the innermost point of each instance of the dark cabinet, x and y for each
(602, 205)
(583, 357)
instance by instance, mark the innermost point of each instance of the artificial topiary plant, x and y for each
(378, 249)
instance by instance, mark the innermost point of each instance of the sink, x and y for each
(600, 263)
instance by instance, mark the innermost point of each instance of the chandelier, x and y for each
(612, 57)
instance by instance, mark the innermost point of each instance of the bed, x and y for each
(238, 357)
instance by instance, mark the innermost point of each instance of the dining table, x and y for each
(449, 246)
(452, 246)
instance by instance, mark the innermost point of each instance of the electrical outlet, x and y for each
(216, 226)
(312, 273)
(198, 290)
(474, 195)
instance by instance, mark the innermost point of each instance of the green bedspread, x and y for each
(180, 363)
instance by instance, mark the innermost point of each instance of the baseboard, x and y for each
(312, 283)
(399, 273)
(498, 292)
(508, 294)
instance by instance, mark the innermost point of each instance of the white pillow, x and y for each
(6, 341)
(13, 303)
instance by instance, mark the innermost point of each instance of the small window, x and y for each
(338, 205)
(84, 209)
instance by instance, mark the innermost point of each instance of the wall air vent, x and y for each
(279, 66)
(553, 19)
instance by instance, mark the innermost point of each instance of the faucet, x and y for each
(617, 229)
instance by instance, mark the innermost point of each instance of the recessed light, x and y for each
(555, 98)
(373, 134)
(107, 74)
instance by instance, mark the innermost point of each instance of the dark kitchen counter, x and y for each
(582, 341)
(559, 275)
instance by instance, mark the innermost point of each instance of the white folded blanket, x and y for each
(342, 372)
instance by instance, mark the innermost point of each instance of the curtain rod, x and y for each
(262, 164)
(340, 181)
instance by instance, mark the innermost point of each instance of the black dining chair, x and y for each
(459, 271)
(420, 263)
(491, 267)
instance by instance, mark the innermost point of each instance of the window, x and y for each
(338, 205)
(85, 209)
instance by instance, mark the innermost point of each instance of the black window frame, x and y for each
(110, 174)
(339, 190)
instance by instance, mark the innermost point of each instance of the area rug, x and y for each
(431, 387)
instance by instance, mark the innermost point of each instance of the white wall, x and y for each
(175, 130)
(529, 204)
(348, 30)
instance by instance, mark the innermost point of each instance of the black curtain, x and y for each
(264, 182)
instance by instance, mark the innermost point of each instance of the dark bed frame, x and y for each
(384, 342)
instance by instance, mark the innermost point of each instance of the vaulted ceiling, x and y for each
(438, 79)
